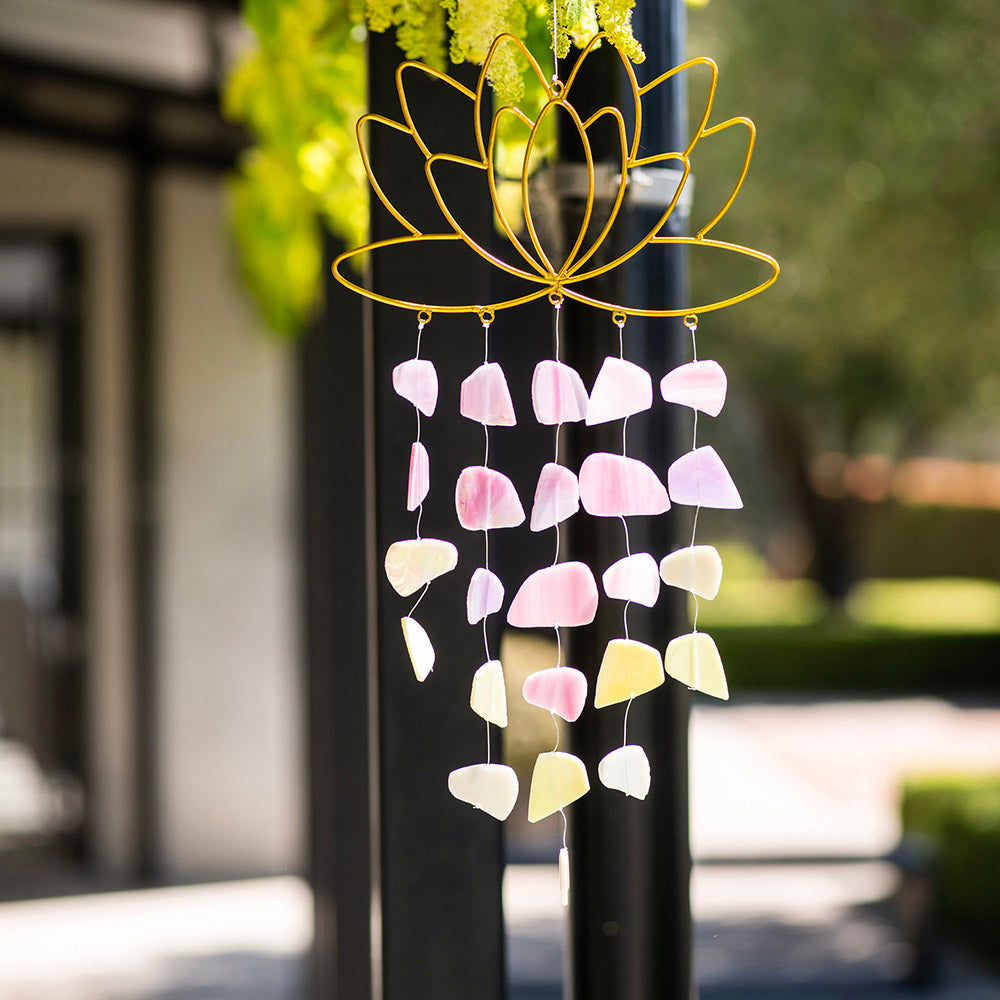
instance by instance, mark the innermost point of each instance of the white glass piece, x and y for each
(417, 382)
(633, 578)
(694, 660)
(698, 384)
(558, 779)
(626, 770)
(489, 693)
(558, 394)
(620, 389)
(418, 645)
(619, 486)
(412, 563)
(697, 568)
(485, 397)
(485, 498)
(419, 481)
(564, 594)
(485, 595)
(490, 787)
(557, 496)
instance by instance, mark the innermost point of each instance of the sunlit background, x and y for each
(845, 804)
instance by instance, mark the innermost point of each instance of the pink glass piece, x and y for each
(419, 481)
(416, 380)
(558, 394)
(485, 397)
(621, 389)
(699, 479)
(485, 595)
(557, 496)
(634, 578)
(699, 384)
(619, 486)
(565, 594)
(562, 690)
(485, 498)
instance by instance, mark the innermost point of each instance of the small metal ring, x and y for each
(424, 317)
(691, 321)
(557, 88)
(556, 298)
(618, 317)
(486, 316)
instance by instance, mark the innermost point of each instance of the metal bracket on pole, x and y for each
(650, 187)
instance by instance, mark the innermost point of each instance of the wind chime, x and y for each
(564, 593)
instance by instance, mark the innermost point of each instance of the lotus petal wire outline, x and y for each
(539, 271)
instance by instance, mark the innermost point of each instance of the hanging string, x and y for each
(555, 41)
(628, 552)
(421, 323)
(486, 318)
(556, 306)
(423, 592)
(691, 322)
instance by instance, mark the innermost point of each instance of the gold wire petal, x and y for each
(460, 231)
(533, 66)
(498, 206)
(684, 311)
(550, 107)
(709, 100)
(359, 131)
(405, 105)
(555, 285)
(570, 267)
(629, 73)
(429, 238)
(751, 140)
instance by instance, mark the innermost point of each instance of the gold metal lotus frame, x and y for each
(543, 277)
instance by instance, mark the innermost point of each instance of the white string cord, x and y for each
(694, 444)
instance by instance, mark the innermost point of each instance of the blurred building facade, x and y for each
(183, 684)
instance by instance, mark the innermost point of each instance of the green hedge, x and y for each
(841, 657)
(960, 816)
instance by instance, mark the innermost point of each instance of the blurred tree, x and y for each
(876, 183)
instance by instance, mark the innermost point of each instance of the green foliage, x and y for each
(874, 184)
(960, 816)
(615, 17)
(301, 90)
(839, 656)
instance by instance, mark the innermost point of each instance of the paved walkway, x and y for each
(768, 779)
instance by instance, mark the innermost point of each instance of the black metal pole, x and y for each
(334, 380)
(631, 920)
(407, 879)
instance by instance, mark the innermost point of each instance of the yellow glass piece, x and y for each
(489, 693)
(418, 646)
(558, 779)
(542, 275)
(694, 660)
(629, 668)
